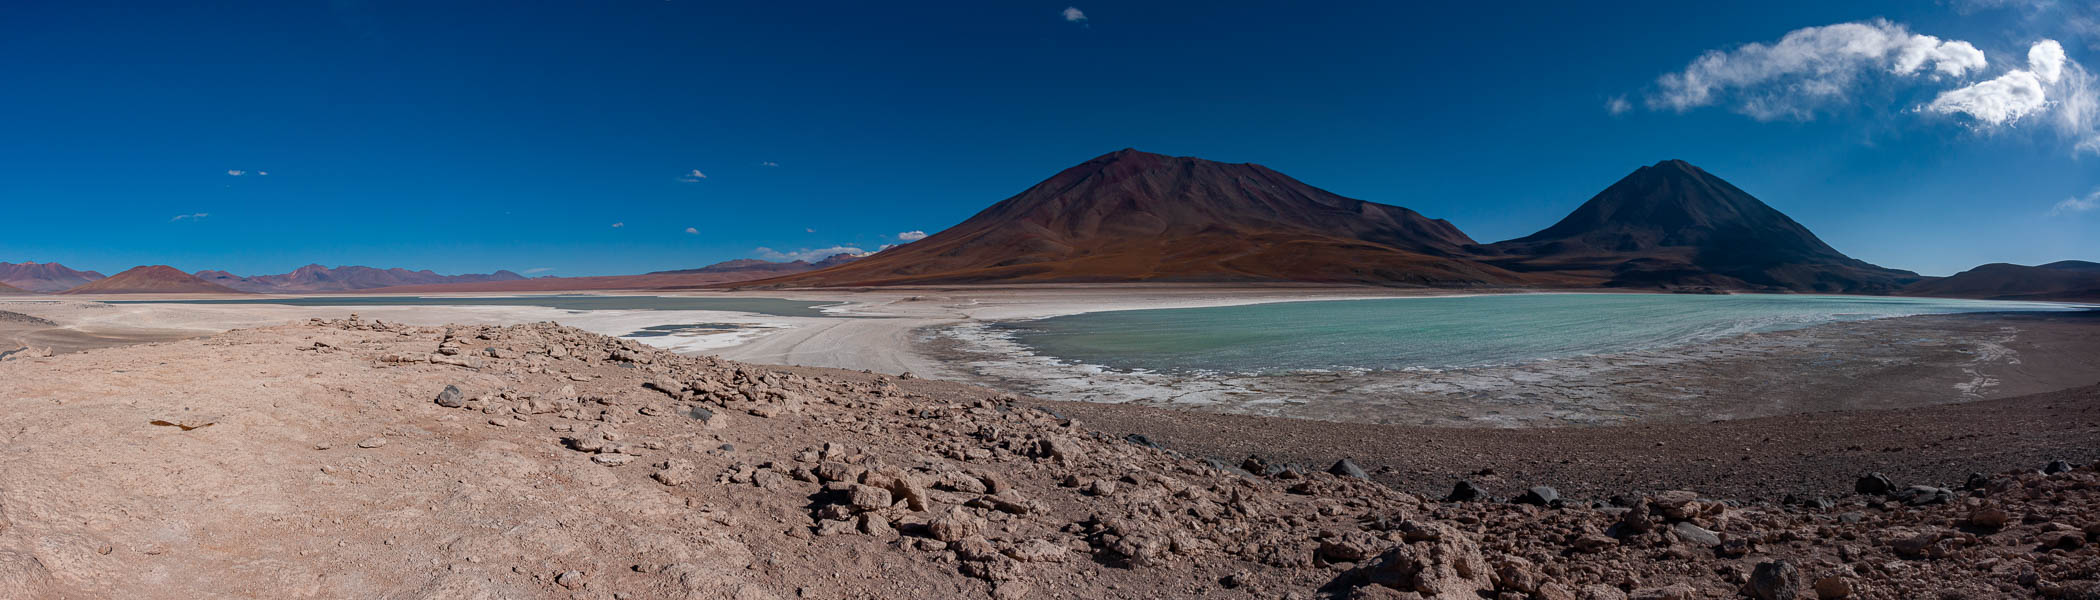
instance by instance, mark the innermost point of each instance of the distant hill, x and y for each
(1139, 216)
(6, 289)
(157, 279)
(2074, 280)
(44, 277)
(317, 278)
(718, 273)
(1675, 225)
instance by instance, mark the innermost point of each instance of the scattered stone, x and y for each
(1774, 580)
(569, 579)
(372, 442)
(954, 526)
(1465, 491)
(1694, 534)
(1539, 496)
(451, 398)
(2056, 466)
(1348, 468)
(1924, 495)
(1873, 484)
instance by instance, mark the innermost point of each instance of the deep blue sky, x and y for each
(469, 137)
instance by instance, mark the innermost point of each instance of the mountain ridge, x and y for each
(151, 279)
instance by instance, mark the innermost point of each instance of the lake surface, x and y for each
(1441, 333)
(765, 306)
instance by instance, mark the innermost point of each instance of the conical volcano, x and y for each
(1674, 224)
(1138, 216)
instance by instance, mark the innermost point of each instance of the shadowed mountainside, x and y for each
(1675, 225)
(156, 279)
(1138, 216)
(44, 277)
(8, 289)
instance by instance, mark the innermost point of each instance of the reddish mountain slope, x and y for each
(6, 290)
(2066, 280)
(44, 277)
(317, 278)
(1675, 225)
(1137, 216)
(157, 279)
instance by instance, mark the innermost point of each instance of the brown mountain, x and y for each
(2064, 280)
(719, 273)
(157, 279)
(1675, 225)
(44, 277)
(317, 278)
(1138, 216)
(6, 289)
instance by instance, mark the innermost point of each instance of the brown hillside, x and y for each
(157, 279)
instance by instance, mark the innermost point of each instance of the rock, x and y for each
(451, 398)
(612, 460)
(1833, 586)
(1873, 484)
(875, 525)
(2056, 466)
(1989, 517)
(1677, 591)
(1465, 491)
(1348, 468)
(866, 498)
(674, 472)
(1976, 481)
(1037, 550)
(1538, 496)
(1923, 495)
(955, 526)
(569, 579)
(1141, 440)
(372, 442)
(1694, 534)
(1445, 566)
(1774, 580)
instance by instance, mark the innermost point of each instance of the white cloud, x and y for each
(809, 229)
(1073, 15)
(692, 177)
(190, 217)
(536, 270)
(263, 173)
(806, 254)
(693, 231)
(769, 164)
(2053, 88)
(912, 236)
(2076, 204)
(235, 172)
(619, 225)
(1810, 69)
(1617, 105)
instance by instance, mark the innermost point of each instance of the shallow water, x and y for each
(1440, 333)
(764, 306)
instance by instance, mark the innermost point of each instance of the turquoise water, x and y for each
(764, 306)
(1438, 333)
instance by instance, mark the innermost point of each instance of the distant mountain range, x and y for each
(2061, 280)
(1131, 216)
(44, 277)
(317, 278)
(8, 289)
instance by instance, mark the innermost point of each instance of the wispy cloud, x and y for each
(2053, 89)
(2077, 204)
(263, 173)
(805, 254)
(1617, 105)
(692, 231)
(1810, 69)
(769, 164)
(189, 217)
(619, 225)
(692, 177)
(912, 236)
(1072, 14)
(236, 172)
(537, 270)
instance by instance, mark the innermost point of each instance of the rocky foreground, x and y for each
(358, 459)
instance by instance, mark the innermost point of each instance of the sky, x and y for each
(588, 138)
